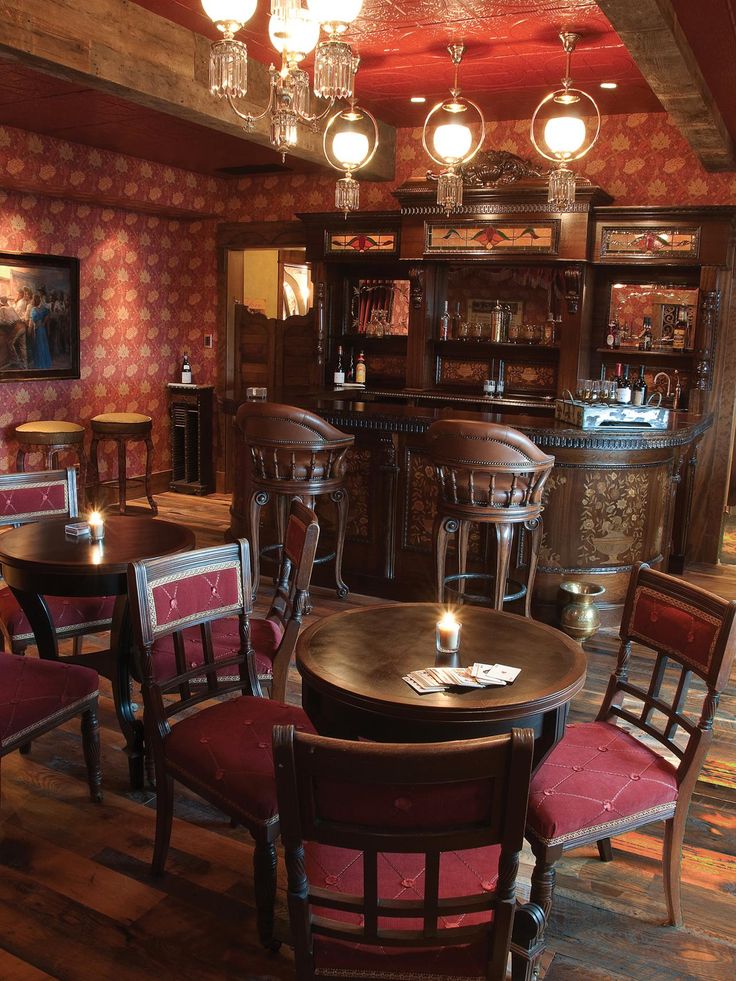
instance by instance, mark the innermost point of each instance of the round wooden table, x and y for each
(40, 560)
(352, 666)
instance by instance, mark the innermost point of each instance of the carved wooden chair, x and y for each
(27, 497)
(294, 453)
(273, 637)
(222, 751)
(37, 696)
(492, 476)
(402, 859)
(600, 780)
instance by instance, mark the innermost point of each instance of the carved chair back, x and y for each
(293, 450)
(487, 472)
(692, 633)
(388, 800)
(193, 589)
(27, 497)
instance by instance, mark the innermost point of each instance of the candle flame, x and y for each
(447, 620)
(95, 518)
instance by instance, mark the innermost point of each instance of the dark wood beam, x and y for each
(125, 50)
(652, 34)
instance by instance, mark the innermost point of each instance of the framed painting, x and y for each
(39, 316)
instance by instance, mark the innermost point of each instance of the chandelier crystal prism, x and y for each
(453, 133)
(228, 69)
(559, 131)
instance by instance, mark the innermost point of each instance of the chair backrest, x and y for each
(425, 800)
(27, 497)
(290, 599)
(192, 589)
(292, 444)
(692, 633)
(481, 464)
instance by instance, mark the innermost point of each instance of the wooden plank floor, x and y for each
(77, 901)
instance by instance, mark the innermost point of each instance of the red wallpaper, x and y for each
(148, 279)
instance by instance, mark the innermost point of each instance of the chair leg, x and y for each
(20, 460)
(543, 875)
(605, 852)
(264, 877)
(94, 471)
(281, 506)
(504, 540)
(443, 528)
(534, 528)
(82, 485)
(91, 747)
(147, 478)
(463, 537)
(340, 497)
(674, 832)
(122, 476)
(164, 818)
(257, 501)
(77, 645)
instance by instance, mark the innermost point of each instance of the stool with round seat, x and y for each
(492, 476)
(123, 428)
(51, 437)
(294, 453)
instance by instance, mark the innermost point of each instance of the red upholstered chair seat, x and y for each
(68, 613)
(32, 692)
(401, 876)
(225, 752)
(598, 778)
(265, 637)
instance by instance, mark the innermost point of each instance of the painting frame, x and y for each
(47, 348)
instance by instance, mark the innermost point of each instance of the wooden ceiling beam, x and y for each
(652, 34)
(125, 50)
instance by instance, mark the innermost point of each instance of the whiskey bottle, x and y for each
(186, 371)
(338, 377)
(639, 391)
(360, 369)
(681, 339)
(611, 334)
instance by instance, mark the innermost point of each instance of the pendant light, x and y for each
(229, 58)
(350, 141)
(335, 64)
(559, 131)
(448, 138)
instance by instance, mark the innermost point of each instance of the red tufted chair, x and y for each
(223, 750)
(37, 696)
(402, 859)
(27, 497)
(600, 780)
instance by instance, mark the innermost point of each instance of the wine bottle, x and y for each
(682, 331)
(639, 391)
(445, 323)
(360, 369)
(645, 338)
(339, 376)
(186, 371)
(623, 386)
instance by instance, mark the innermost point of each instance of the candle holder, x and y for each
(96, 527)
(447, 635)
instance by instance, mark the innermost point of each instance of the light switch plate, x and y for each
(208, 340)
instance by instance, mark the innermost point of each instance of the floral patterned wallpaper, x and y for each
(145, 235)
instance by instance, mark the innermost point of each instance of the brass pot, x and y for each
(579, 616)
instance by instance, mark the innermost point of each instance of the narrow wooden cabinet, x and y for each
(190, 409)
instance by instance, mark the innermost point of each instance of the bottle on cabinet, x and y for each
(612, 334)
(338, 377)
(645, 338)
(623, 385)
(681, 337)
(456, 321)
(350, 374)
(360, 369)
(186, 371)
(639, 389)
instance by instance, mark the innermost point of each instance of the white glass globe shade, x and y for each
(229, 11)
(452, 141)
(564, 135)
(350, 148)
(335, 11)
(296, 36)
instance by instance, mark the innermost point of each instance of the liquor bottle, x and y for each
(682, 331)
(645, 338)
(339, 376)
(456, 321)
(639, 391)
(623, 385)
(350, 376)
(617, 334)
(612, 333)
(186, 371)
(445, 324)
(360, 369)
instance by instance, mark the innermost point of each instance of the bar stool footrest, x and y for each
(480, 599)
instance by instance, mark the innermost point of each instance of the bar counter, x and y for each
(615, 497)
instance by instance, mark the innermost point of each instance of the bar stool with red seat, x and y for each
(123, 428)
(491, 476)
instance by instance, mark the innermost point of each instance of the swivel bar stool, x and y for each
(294, 453)
(123, 428)
(491, 476)
(51, 437)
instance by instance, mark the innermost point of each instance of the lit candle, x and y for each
(96, 527)
(448, 634)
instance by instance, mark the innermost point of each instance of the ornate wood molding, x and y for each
(491, 168)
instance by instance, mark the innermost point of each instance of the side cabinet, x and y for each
(190, 409)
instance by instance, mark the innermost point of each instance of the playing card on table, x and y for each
(494, 674)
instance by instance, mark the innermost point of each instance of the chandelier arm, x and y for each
(248, 117)
(317, 118)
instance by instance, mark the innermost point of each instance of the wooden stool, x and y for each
(51, 437)
(494, 476)
(123, 428)
(294, 453)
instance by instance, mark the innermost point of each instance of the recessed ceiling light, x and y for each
(417, 98)
(609, 85)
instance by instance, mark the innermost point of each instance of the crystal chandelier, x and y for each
(559, 133)
(448, 138)
(350, 141)
(294, 32)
